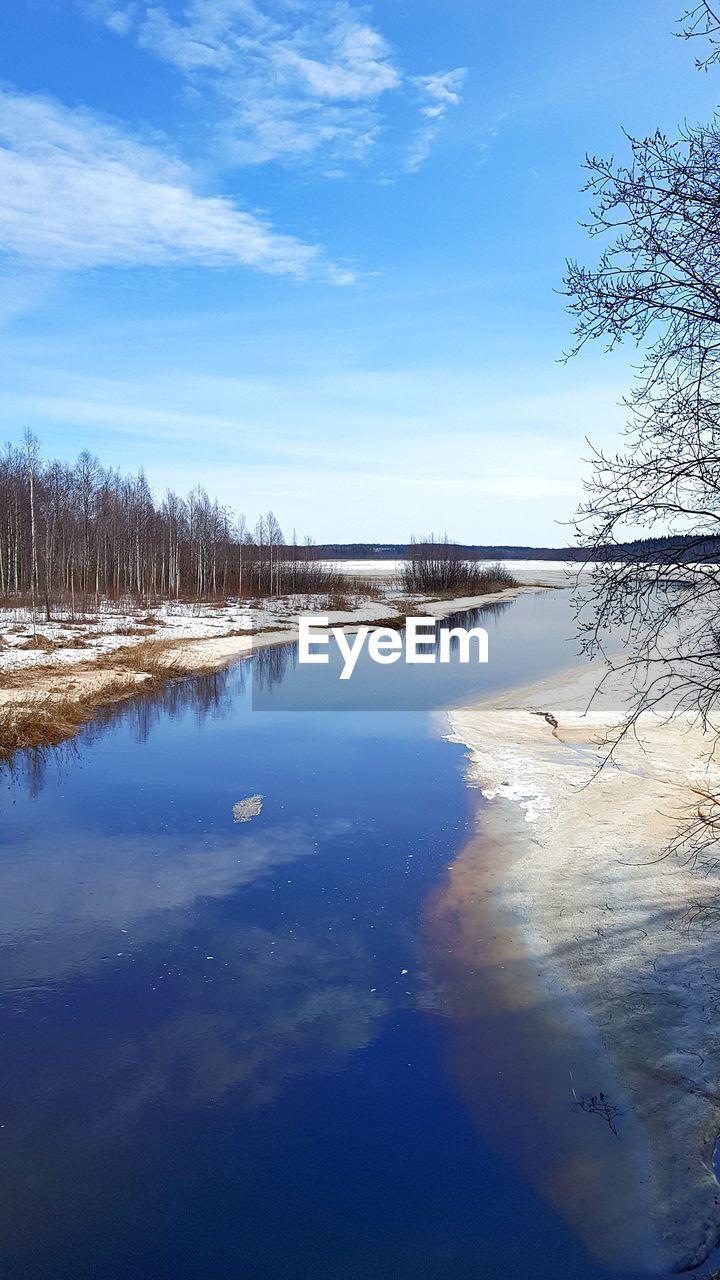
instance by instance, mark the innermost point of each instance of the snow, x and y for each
(367, 568)
(66, 640)
(392, 568)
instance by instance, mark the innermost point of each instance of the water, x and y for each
(228, 1047)
(527, 639)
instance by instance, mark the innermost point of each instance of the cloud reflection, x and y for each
(95, 887)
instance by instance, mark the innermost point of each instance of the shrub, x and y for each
(436, 567)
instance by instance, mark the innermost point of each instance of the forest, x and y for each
(69, 531)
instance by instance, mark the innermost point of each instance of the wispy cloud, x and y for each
(296, 79)
(441, 91)
(76, 191)
(272, 440)
(438, 92)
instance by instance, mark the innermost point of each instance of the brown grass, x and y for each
(38, 642)
(394, 621)
(48, 719)
(47, 722)
(339, 602)
(149, 657)
(140, 629)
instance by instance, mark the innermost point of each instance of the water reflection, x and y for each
(208, 696)
(225, 1049)
(121, 890)
(258, 1010)
(502, 1020)
(270, 665)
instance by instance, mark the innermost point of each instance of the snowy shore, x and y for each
(606, 918)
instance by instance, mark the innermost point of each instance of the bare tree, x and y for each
(275, 540)
(241, 540)
(31, 452)
(435, 565)
(82, 533)
(703, 20)
(657, 283)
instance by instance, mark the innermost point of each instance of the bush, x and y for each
(436, 567)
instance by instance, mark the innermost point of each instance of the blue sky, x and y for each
(307, 252)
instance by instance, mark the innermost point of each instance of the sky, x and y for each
(309, 253)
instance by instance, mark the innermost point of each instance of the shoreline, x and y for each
(47, 703)
(601, 917)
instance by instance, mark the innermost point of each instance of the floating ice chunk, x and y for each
(248, 808)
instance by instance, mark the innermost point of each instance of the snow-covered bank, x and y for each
(605, 918)
(69, 639)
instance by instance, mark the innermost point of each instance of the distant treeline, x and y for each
(691, 547)
(73, 530)
(69, 531)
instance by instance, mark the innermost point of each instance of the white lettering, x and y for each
(306, 639)
(384, 646)
(415, 640)
(350, 652)
(463, 638)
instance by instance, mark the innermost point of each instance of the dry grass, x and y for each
(38, 642)
(49, 721)
(140, 629)
(394, 621)
(252, 633)
(149, 657)
(339, 602)
(19, 677)
(78, 695)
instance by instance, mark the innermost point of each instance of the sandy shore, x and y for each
(603, 917)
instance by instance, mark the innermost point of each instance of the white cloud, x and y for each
(294, 79)
(77, 192)
(357, 66)
(442, 90)
(120, 20)
(201, 40)
(438, 92)
(321, 44)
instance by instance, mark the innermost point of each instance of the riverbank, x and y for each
(56, 681)
(608, 924)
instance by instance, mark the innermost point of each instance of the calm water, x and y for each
(527, 638)
(226, 1046)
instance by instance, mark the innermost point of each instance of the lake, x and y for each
(230, 1047)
